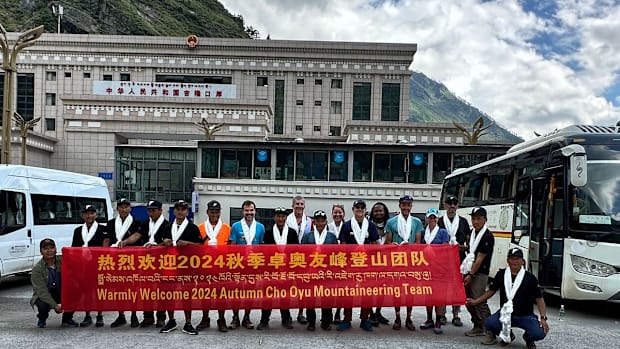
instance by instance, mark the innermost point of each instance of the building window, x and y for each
(317, 128)
(336, 83)
(362, 165)
(390, 102)
(317, 103)
(285, 163)
(210, 162)
(299, 102)
(318, 81)
(87, 75)
(300, 81)
(262, 81)
(107, 77)
(361, 100)
(335, 107)
(338, 165)
(299, 128)
(418, 168)
(50, 99)
(334, 131)
(262, 164)
(50, 76)
(278, 108)
(389, 167)
(67, 74)
(236, 164)
(468, 160)
(125, 77)
(25, 95)
(311, 165)
(50, 124)
(441, 166)
(196, 79)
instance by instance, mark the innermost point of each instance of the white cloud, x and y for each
(480, 51)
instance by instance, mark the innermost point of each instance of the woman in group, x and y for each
(334, 227)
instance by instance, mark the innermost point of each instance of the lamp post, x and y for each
(9, 65)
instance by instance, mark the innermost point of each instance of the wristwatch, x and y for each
(544, 318)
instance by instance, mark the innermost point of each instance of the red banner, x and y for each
(259, 277)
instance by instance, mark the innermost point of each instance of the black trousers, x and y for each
(44, 311)
(266, 313)
(326, 315)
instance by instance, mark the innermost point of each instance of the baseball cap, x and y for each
(478, 211)
(451, 199)
(123, 201)
(154, 204)
(181, 204)
(320, 214)
(47, 242)
(89, 208)
(515, 252)
(280, 210)
(214, 205)
(405, 198)
(432, 212)
(359, 202)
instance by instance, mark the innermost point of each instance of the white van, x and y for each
(38, 203)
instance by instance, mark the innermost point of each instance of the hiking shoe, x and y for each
(366, 325)
(326, 326)
(189, 329)
(160, 323)
(87, 321)
(120, 320)
(428, 324)
(437, 328)
(147, 321)
(443, 319)
(343, 326)
(528, 344)
(397, 324)
(373, 319)
(69, 323)
(41, 323)
(235, 323)
(382, 320)
(288, 324)
(134, 321)
(409, 325)
(221, 325)
(456, 321)
(489, 339)
(204, 324)
(302, 319)
(169, 327)
(262, 326)
(99, 322)
(475, 332)
(247, 323)
(311, 327)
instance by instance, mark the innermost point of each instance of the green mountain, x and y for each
(206, 18)
(431, 101)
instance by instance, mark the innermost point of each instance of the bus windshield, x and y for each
(596, 206)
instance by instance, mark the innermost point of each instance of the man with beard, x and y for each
(279, 234)
(246, 232)
(379, 214)
(302, 225)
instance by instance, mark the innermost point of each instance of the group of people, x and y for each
(374, 226)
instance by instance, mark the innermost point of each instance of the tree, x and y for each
(208, 129)
(24, 126)
(474, 133)
(252, 32)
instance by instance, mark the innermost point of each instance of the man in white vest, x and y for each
(518, 291)
(302, 224)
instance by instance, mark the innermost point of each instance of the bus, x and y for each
(556, 197)
(38, 203)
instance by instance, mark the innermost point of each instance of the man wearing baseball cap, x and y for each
(475, 269)
(45, 279)
(518, 291)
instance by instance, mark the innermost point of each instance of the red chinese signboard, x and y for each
(260, 277)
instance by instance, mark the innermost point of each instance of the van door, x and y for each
(16, 248)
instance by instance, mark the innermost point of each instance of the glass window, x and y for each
(67, 74)
(389, 167)
(334, 131)
(278, 108)
(87, 75)
(50, 99)
(336, 83)
(262, 164)
(300, 81)
(338, 165)
(318, 82)
(285, 164)
(335, 107)
(12, 211)
(361, 100)
(299, 102)
(236, 164)
(317, 103)
(468, 160)
(299, 128)
(50, 76)
(317, 128)
(499, 188)
(362, 165)
(50, 124)
(262, 81)
(25, 96)
(125, 77)
(471, 186)
(390, 102)
(100, 205)
(441, 166)
(419, 168)
(107, 77)
(311, 165)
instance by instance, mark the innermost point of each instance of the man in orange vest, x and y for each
(214, 232)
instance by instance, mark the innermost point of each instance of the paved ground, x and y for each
(587, 325)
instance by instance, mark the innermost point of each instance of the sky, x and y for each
(532, 65)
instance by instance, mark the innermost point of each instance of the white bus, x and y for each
(557, 197)
(38, 203)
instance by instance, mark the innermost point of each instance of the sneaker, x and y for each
(87, 321)
(235, 323)
(382, 320)
(204, 324)
(443, 320)
(475, 332)
(343, 325)
(456, 321)
(188, 328)
(288, 324)
(366, 325)
(489, 339)
(41, 323)
(427, 324)
(99, 322)
(134, 321)
(69, 323)
(437, 328)
(147, 321)
(263, 326)
(120, 320)
(528, 344)
(397, 324)
(512, 338)
(221, 325)
(302, 319)
(169, 327)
